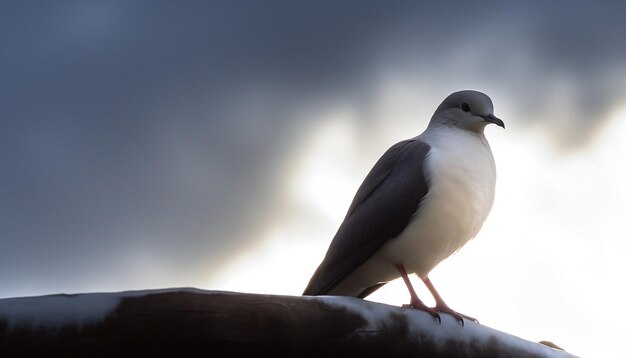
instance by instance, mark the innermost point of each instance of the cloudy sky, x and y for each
(217, 144)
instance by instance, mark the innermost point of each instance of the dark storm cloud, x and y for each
(581, 43)
(537, 53)
(163, 126)
(160, 125)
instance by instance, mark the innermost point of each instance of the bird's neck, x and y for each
(438, 129)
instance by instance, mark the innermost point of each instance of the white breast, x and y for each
(460, 196)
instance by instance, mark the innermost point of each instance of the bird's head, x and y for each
(470, 110)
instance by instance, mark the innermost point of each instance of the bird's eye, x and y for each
(465, 107)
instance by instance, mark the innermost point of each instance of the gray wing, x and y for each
(382, 207)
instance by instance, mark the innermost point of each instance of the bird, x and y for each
(423, 200)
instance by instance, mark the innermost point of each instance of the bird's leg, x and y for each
(441, 306)
(415, 301)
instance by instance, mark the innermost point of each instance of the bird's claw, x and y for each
(435, 312)
(437, 316)
(456, 315)
(422, 307)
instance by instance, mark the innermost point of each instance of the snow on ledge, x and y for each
(54, 312)
(378, 316)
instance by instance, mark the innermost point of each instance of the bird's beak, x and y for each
(493, 119)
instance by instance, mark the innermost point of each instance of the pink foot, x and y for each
(419, 305)
(458, 316)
